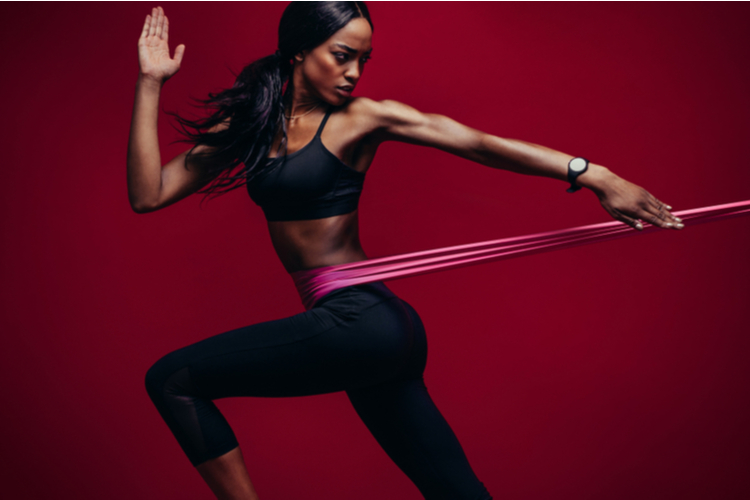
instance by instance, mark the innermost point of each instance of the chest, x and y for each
(309, 183)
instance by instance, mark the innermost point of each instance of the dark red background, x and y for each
(616, 370)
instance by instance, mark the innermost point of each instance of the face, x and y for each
(331, 70)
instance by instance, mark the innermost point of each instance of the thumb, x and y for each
(179, 51)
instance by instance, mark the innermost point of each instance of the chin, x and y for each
(341, 99)
(332, 99)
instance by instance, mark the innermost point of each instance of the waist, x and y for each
(313, 284)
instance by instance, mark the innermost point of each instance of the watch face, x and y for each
(578, 164)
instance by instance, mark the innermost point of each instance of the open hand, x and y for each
(628, 203)
(153, 48)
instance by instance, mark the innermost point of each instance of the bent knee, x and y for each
(159, 375)
(154, 379)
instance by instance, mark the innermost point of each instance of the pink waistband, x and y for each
(313, 284)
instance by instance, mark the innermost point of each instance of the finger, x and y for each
(661, 206)
(152, 26)
(165, 32)
(662, 203)
(178, 53)
(664, 220)
(634, 223)
(160, 23)
(654, 202)
(657, 218)
(144, 31)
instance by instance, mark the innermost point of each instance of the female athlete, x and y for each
(293, 134)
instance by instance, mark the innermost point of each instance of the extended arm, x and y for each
(621, 199)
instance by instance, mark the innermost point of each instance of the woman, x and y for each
(305, 149)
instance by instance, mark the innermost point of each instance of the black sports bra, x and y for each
(312, 184)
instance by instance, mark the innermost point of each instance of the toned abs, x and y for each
(305, 244)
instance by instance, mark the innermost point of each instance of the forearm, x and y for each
(532, 159)
(144, 157)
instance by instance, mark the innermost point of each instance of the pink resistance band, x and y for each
(312, 284)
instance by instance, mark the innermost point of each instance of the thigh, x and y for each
(404, 420)
(352, 338)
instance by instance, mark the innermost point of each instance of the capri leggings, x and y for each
(361, 339)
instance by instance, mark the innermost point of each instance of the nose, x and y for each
(353, 72)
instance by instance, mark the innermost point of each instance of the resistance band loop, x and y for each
(312, 284)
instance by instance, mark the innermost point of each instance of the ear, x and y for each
(300, 56)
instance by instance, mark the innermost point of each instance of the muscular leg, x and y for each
(227, 477)
(404, 420)
(408, 426)
(363, 340)
(354, 339)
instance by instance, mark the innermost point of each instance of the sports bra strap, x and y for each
(323, 123)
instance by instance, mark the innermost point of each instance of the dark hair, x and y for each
(255, 103)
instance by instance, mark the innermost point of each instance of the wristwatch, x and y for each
(576, 167)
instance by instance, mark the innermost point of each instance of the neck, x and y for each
(301, 97)
(300, 102)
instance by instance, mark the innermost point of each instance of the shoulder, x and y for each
(384, 112)
(390, 120)
(376, 116)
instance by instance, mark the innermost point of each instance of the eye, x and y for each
(342, 56)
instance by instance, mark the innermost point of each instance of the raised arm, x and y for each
(623, 200)
(152, 186)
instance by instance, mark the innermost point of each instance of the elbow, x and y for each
(484, 143)
(140, 207)
(488, 149)
(141, 202)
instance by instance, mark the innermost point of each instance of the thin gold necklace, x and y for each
(303, 114)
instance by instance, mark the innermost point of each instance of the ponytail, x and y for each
(254, 107)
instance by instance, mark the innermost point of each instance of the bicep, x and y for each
(400, 122)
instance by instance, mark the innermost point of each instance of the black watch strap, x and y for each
(576, 167)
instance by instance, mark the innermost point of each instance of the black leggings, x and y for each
(360, 339)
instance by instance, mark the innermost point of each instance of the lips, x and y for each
(346, 88)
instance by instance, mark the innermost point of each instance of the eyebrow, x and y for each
(349, 49)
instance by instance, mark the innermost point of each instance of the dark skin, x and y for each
(355, 129)
(321, 242)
